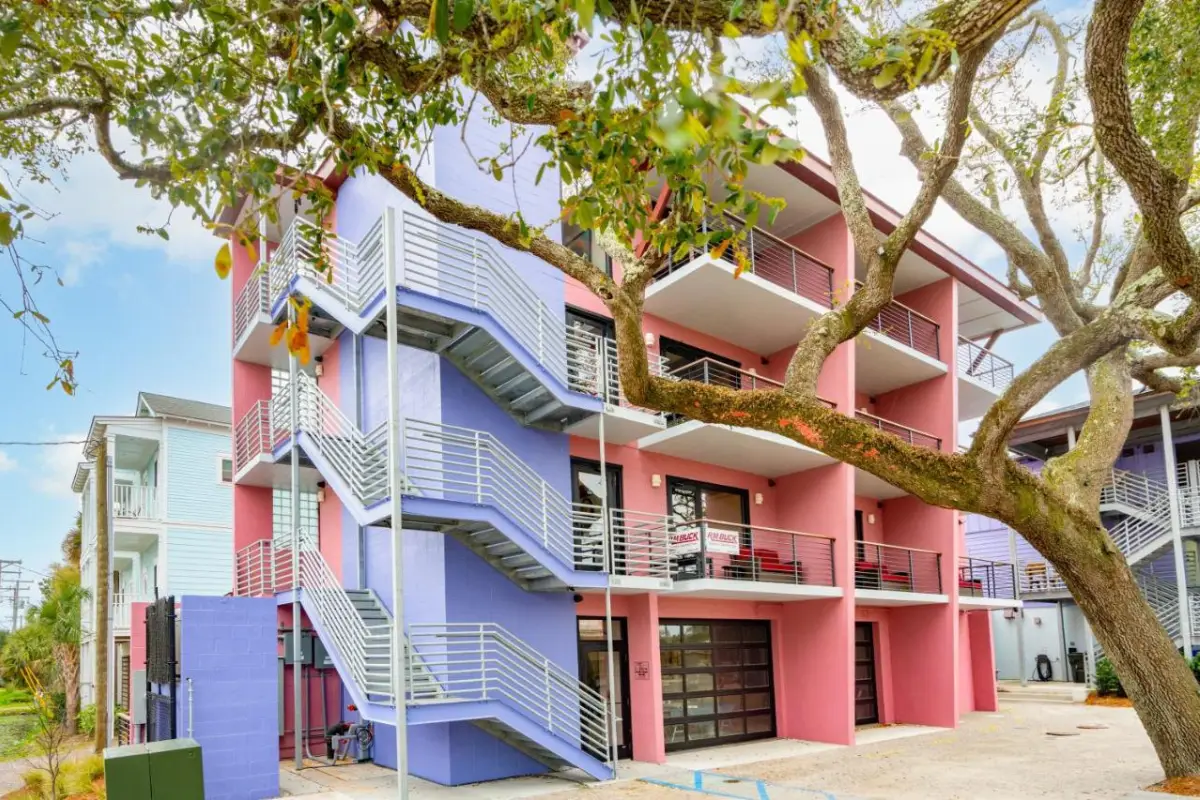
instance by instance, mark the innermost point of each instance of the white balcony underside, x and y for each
(262, 470)
(968, 602)
(135, 541)
(882, 364)
(630, 584)
(867, 485)
(719, 589)
(882, 598)
(747, 311)
(744, 449)
(974, 397)
(621, 425)
(255, 345)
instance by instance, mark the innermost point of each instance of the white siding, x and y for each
(195, 493)
(199, 562)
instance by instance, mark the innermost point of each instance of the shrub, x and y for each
(78, 776)
(87, 719)
(1194, 663)
(1107, 682)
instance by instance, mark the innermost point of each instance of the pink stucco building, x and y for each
(748, 586)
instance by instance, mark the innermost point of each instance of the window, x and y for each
(583, 244)
(224, 469)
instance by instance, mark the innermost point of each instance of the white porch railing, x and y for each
(120, 606)
(1146, 508)
(482, 661)
(258, 431)
(135, 502)
(592, 367)
(252, 301)
(1040, 576)
(981, 364)
(1188, 480)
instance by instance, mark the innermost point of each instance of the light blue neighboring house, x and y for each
(170, 516)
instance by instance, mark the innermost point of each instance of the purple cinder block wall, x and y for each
(228, 651)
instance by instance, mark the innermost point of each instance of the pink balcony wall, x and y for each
(983, 662)
(329, 516)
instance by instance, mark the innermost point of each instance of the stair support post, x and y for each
(297, 637)
(1168, 448)
(391, 245)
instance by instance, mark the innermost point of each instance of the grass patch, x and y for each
(10, 696)
(1094, 699)
(80, 779)
(16, 734)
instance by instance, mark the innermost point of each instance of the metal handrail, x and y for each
(910, 435)
(1150, 503)
(983, 365)
(255, 435)
(592, 367)
(978, 577)
(707, 548)
(252, 300)
(135, 502)
(897, 569)
(1039, 576)
(640, 543)
(482, 661)
(1187, 480)
(907, 326)
(769, 257)
(717, 373)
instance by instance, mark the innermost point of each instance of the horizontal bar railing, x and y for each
(592, 367)
(1187, 475)
(1039, 576)
(978, 577)
(717, 373)
(253, 300)
(704, 548)
(254, 434)
(983, 365)
(254, 570)
(898, 321)
(897, 569)
(910, 435)
(768, 257)
(633, 544)
(481, 662)
(135, 502)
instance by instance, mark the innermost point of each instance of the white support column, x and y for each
(1012, 555)
(110, 454)
(294, 522)
(1070, 437)
(1089, 653)
(1168, 448)
(391, 242)
(609, 568)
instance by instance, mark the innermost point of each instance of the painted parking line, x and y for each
(740, 788)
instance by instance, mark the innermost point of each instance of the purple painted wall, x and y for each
(228, 651)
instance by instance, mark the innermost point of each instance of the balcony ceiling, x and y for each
(744, 449)
(867, 485)
(134, 453)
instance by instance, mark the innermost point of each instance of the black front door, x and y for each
(866, 696)
(586, 488)
(593, 671)
(688, 501)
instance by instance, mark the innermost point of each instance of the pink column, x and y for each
(645, 678)
(983, 660)
(329, 523)
(137, 654)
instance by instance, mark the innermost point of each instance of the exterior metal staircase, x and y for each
(1163, 599)
(457, 296)
(456, 672)
(1138, 514)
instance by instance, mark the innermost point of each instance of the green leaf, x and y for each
(4, 193)
(887, 75)
(439, 20)
(7, 232)
(463, 11)
(587, 11)
(924, 64)
(10, 37)
(730, 31)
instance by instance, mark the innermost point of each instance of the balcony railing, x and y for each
(1040, 576)
(256, 433)
(639, 542)
(977, 577)
(898, 321)
(135, 502)
(704, 548)
(910, 435)
(1188, 481)
(770, 258)
(891, 568)
(983, 365)
(718, 373)
(592, 367)
(254, 299)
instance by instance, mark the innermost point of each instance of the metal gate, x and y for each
(162, 671)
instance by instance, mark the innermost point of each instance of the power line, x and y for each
(43, 444)
(10, 581)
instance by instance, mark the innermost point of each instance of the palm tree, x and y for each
(60, 614)
(72, 543)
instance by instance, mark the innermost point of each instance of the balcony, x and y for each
(710, 558)
(592, 370)
(746, 449)
(866, 484)
(1188, 480)
(888, 575)
(1039, 580)
(121, 602)
(898, 348)
(255, 437)
(767, 308)
(986, 584)
(982, 378)
(135, 503)
(253, 324)
(634, 548)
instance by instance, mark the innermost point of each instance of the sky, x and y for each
(151, 315)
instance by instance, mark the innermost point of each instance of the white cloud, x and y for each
(78, 255)
(56, 467)
(7, 462)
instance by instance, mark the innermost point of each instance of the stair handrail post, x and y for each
(1185, 626)
(393, 251)
(478, 468)
(549, 702)
(912, 576)
(483, 670)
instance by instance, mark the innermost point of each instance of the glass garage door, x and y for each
(716, 678)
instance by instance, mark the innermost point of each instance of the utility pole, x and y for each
(103, 566)
(11, 583)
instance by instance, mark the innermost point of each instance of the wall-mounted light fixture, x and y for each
(649, 340)
(656, 481)
(870, 519)
(758, 498)
(318, 367)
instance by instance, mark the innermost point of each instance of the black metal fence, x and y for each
(162, 671)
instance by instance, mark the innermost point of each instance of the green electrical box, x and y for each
(127, 772)
(176, 770)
